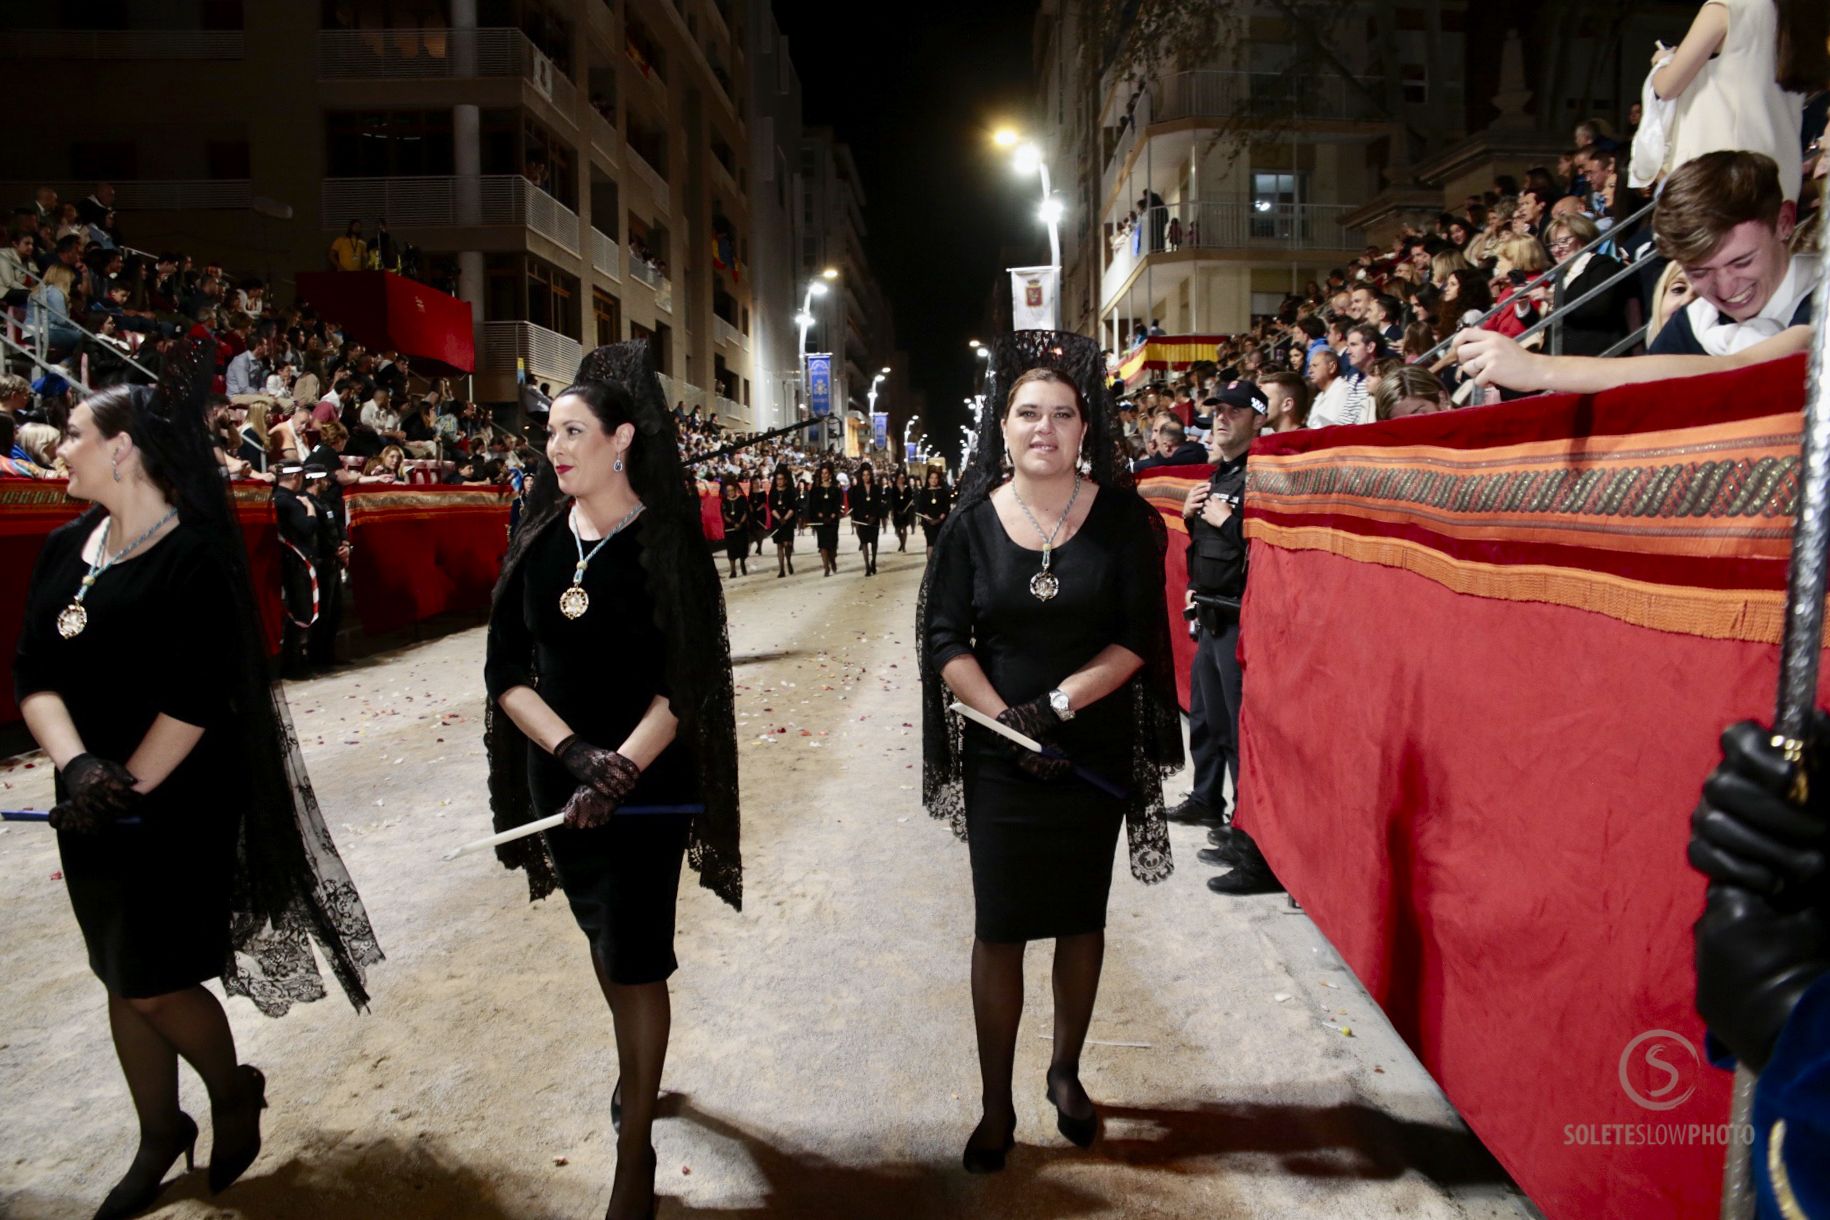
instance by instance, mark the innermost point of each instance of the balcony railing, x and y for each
(603, 135)
(448, 201)
(549, 355)
(121, 44)
(640, 270)
(149, 195)
(649, 174)
(725, 333)
(606, 255)
(1232, 227)
(440, 54)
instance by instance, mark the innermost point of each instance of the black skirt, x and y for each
(1041, 852)
(622, 881)
(827, 536)
(866, 533)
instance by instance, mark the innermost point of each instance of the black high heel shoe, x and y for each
(654, 1200)
(135, 1193)
(616, 1107)
(982, 1159)
(228, 1164)
(1077, 1131)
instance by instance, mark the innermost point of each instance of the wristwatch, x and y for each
(1058, 701)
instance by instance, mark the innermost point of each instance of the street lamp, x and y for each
(871, 394)
(804, 319)
(1027, 161)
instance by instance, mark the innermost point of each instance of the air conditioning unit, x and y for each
(543, 75)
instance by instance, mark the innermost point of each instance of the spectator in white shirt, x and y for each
(1331, 390)
(377, 414)
(247, 373)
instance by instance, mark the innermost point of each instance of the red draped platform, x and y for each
(31, 508)
(388, 312)
(418, 552)
(1487, 655)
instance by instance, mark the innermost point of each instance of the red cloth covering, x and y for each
(711, 512)
(418, 552)
(1166, 488)
(31, 508)
(1487, 656)
(384, 311)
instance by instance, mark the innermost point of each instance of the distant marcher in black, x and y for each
(736, 510)
(932, 505)
(902, 507)
(785, 517)
(825, 505)
(865, 500)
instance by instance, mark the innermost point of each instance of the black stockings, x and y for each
(643, 1017)
(997, 1009)
(149, 1037)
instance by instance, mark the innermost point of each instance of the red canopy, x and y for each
(382, 310)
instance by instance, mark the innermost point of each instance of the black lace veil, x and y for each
(1152, 691)
(290, 887)
(689, 610)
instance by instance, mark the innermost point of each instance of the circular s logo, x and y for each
(1659, 1069)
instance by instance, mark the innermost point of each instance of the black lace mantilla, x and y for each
(1152, 691)
(689, 610)
(290, 887)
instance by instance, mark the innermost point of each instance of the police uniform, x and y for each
(1216, 577)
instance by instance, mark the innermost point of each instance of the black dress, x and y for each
(152, 899)
(1042, 850)
(933, 504)
(600, 672)
(866, 504)
(736, 527)
(902, 506)
(825, 505)
(784, 509)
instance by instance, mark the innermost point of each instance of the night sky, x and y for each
(915, 89)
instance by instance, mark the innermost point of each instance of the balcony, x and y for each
(446, 201)
(657, 185)
(439, 54)
(606, 255)
(723, 332)
(548, 355)
(1235, 229)
(603, 134)
(151, 195)
(118, 45)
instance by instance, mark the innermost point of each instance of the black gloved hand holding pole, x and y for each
(100, 791)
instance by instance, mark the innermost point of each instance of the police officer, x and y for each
(329, 559)
(299, 520)
(1216, 583)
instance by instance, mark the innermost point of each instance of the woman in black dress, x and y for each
(759, 509)
(785, 514)
(609, 679)
(932, 505)
(1044, 608)
(825, 505)
(736, 509)
(191, 842)
(865, 500)
(902, 507)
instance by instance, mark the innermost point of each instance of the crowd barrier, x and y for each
(1487, 656)
(416, 552)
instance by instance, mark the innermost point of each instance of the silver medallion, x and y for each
(71, 620)
(1044, 585)
(574, 602)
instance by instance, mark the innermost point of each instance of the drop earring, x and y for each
(617, 465)
(115, 468)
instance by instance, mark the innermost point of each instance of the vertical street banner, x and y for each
(1033, 293)
(908, 451)
(819, 384)
(880, 429)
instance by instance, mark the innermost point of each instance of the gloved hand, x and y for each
(588, 808)
(1036, 720)
(1753, 964)
(608, 772)
(1747, 832)
(100, 792)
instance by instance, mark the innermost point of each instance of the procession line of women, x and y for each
(749, 515)
(609, 689)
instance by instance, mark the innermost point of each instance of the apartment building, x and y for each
(579, 171)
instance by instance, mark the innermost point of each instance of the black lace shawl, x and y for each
(290, 888)
(689, 610)
(1151, 691)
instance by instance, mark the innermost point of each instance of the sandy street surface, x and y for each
(823, 1062)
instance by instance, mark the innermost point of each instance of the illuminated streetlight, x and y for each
(1005, 137)
(1027, 161)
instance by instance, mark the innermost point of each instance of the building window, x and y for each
(1416, 79)
(387, 143)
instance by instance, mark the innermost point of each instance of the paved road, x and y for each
(823, 1061)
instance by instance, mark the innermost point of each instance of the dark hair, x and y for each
(1711, 194)
(125, 408)
(1312, 326)
(867, 471)
(1802, 45)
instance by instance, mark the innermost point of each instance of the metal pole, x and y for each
(1800, 650)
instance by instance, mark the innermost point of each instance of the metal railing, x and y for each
(1548, 276)
(435, 54)
(548, 354)
(603, 134)
(649, 174)
(639, 269)
(606, 255)
(151, 195)
(13, 345)
(122, 44)
(444, 201)
(1227, 226)
(725, 333)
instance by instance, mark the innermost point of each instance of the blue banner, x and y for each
(909, 451)
(819, 384)
(880, 429)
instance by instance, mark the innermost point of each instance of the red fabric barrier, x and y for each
(31, 508)
(419, 552)
(1166, 487)
(1487, 656)
(385, 311)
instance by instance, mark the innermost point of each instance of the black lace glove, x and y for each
(100, 792)
(1748, 833)
(1753, 964)
(588, 808)
(608, 772)
(1038, 721)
